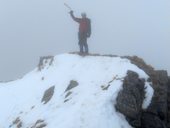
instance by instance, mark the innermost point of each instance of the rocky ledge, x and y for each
(131, 97)
(129, 100)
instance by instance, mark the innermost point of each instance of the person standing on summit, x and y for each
(84, 31)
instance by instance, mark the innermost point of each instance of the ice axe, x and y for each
(68, 6)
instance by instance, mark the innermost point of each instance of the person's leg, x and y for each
(81, 47)
(80, 42)
(85, 45)
(84, 42)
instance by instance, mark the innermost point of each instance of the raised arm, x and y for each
(74, 18)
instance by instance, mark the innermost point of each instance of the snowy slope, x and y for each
(88, 105)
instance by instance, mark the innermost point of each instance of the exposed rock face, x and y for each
(48, 95)
(159, 78)
(72, 84)
(39, 124)
(16, 123)
(68, 91)
(159, 109)
(168, 115)
(150, 120)
(130, 99)
(159, 101)
(45, 61)
(141, 64)
(158, 113)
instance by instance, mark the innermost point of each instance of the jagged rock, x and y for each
(72, 84)
(39, 124)
(150, 120)
(168, 115)
(159, 105)
(141, 64)
(17, 122)
(48, 95)
(68, 94)
(159, 79)
(130, 99)
(43, 62)
(66, 100)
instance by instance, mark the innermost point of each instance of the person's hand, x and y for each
(88, 35)
(71, 12)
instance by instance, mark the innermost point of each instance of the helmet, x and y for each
(83, 14)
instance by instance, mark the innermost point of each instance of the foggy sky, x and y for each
(33, 28)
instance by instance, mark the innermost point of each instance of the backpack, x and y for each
(88, 27)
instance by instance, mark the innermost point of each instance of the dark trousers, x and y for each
(83, 42)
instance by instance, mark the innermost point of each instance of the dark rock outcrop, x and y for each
(39, 124)
(159, 101)
(48, 95)
(130, 99)
(17, 123)
(168, 102)
(44, 61)
(72, 84)
(157, 115)
(159, 79)
(150, 120)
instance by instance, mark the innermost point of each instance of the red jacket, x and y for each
(84, 24)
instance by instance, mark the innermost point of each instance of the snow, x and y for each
(89, 106)
(148, 95)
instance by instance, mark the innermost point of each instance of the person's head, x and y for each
(83, 14)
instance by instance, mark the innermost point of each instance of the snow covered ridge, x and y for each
(69, 91)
